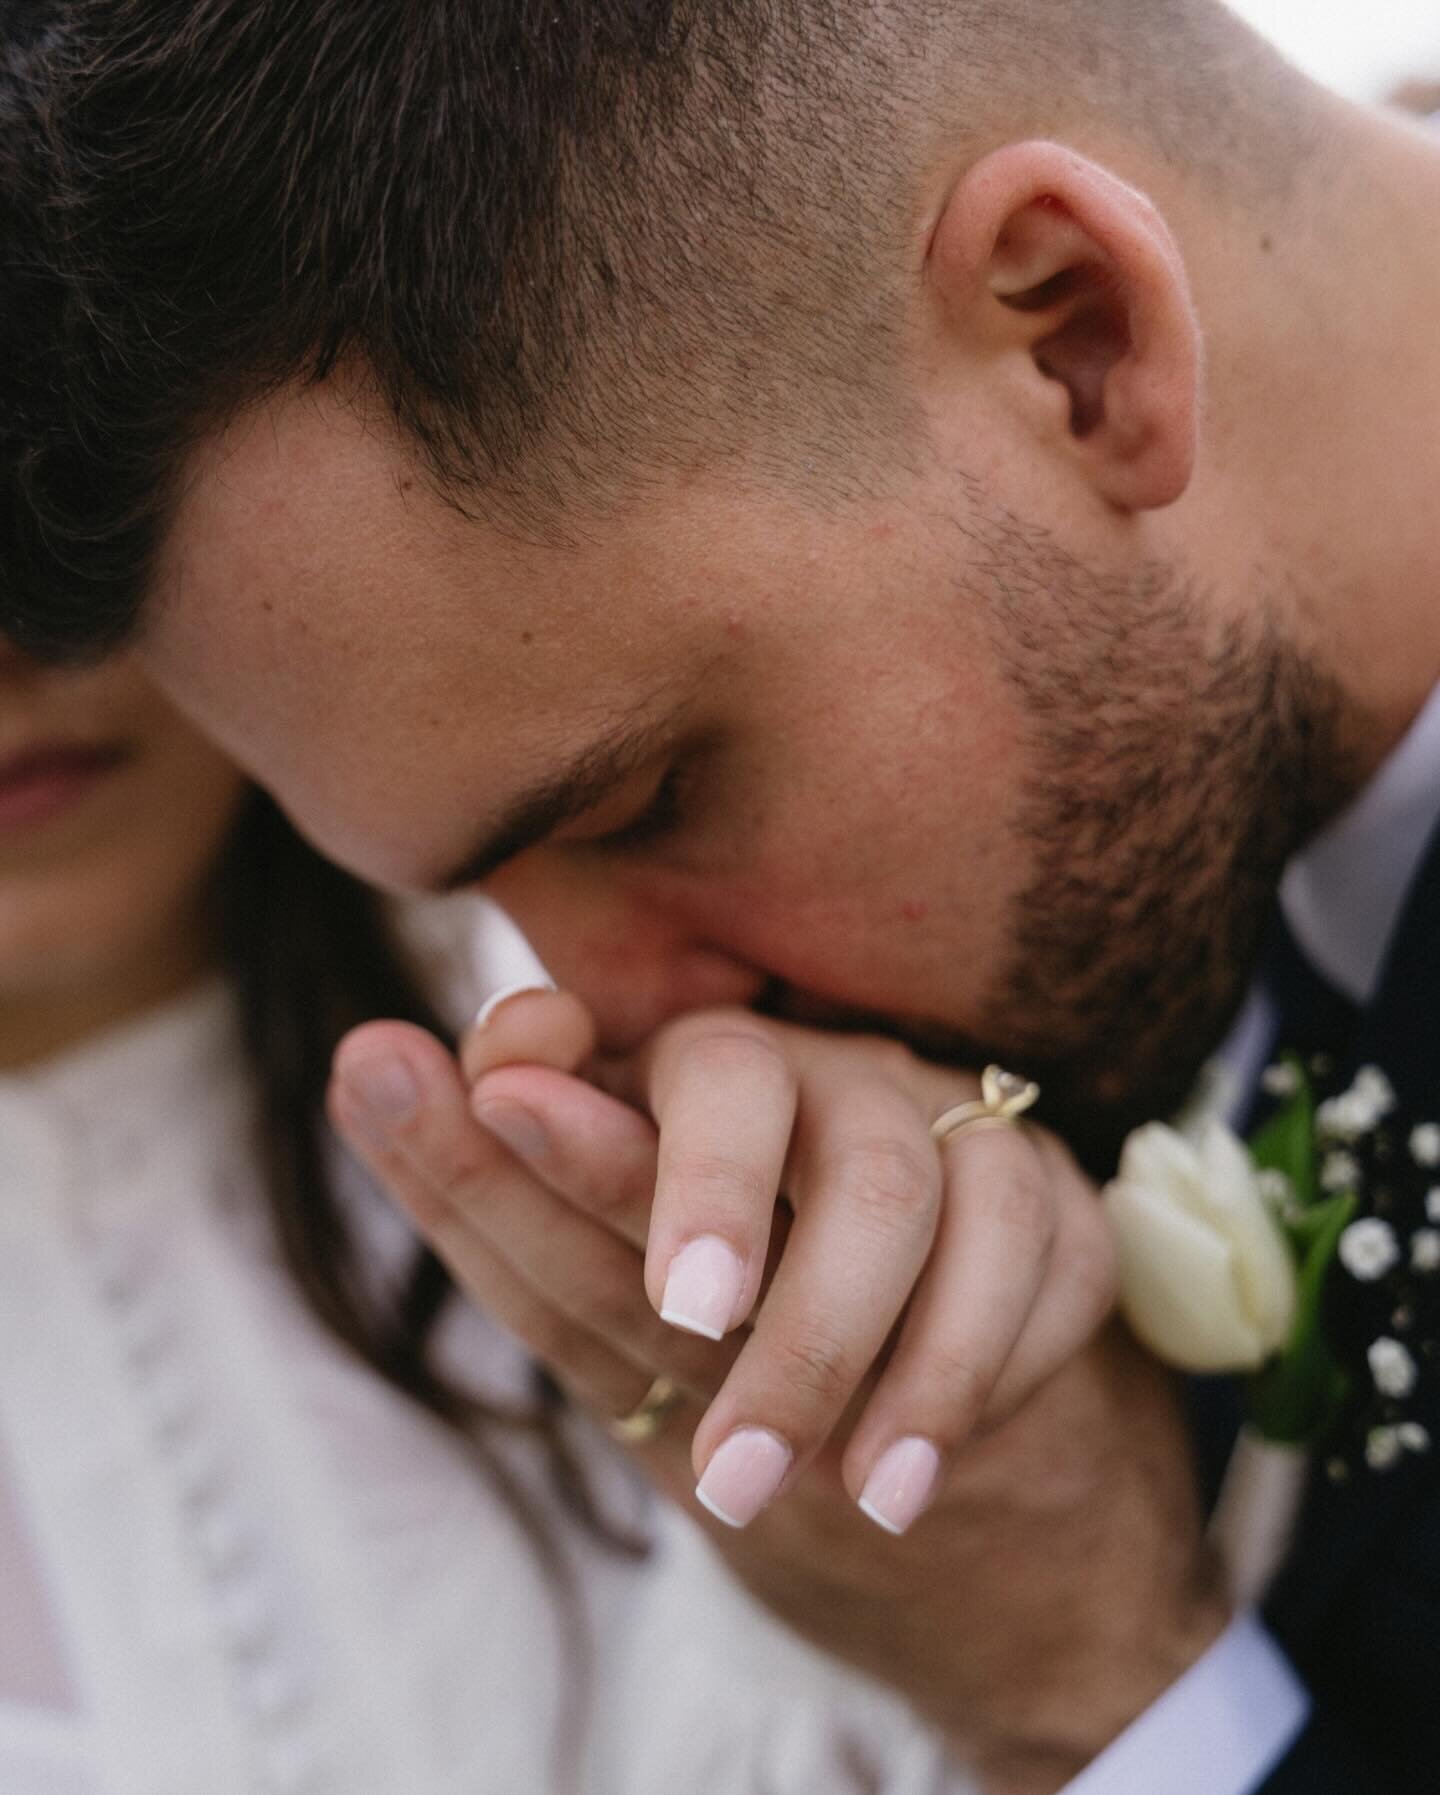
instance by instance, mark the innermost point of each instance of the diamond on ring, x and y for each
(1004, 1098)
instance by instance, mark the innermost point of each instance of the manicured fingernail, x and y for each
(503, 995)
(517, 1127)
(898, 1491)
(743, 1475)
(383, 1093)
(702, 1288)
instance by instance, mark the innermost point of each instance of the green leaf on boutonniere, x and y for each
(1295, 1398)
(1286, 1143)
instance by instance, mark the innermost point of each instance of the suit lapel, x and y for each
(1401, 1029)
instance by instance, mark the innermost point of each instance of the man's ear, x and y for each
(1068, 282)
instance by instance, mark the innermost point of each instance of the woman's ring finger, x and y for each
(647, 1419)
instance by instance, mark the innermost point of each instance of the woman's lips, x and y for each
(43, 782)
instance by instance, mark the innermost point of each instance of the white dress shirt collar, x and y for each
(1343, 895)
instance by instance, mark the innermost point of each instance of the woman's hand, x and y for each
(913, 1292)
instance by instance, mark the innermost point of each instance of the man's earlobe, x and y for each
(1064, 276)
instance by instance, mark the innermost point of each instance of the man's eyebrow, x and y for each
(579, 786)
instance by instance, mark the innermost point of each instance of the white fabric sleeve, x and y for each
(1220, 1730)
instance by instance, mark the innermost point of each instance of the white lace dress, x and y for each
(232, 1561)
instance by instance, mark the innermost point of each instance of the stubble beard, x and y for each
(1180, 759)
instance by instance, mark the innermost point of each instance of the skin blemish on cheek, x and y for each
(914, 910)
(527, 637)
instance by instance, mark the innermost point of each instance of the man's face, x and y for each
(865, 766)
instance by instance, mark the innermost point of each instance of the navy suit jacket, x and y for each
(1357, 1605)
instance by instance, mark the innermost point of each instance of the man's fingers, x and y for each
(597, 1376)
(1078, 1296)
(392, 1096)
(481, 1209)
(389, 1100)
(528, 1024)
(594, 1151)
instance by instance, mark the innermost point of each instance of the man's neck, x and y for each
(1324, 336)
(1374, 461)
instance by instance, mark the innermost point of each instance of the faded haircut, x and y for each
(568, 248)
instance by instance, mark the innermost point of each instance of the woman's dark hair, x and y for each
(310, 954)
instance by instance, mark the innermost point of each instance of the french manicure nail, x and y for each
(702, 1288)
(899, 1489)
(744, 1472)
(516, 1126)
(383, 1092)
(503, 995)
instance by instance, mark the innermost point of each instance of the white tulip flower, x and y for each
(1207, 1280)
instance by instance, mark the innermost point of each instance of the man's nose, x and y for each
(632, 958)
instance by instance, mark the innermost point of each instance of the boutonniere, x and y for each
(1226, 1251)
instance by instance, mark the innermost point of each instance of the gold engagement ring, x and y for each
(1004, 1098)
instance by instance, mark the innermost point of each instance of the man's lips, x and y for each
(42, 782)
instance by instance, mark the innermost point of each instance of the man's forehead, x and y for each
(314, 524)
(392, 670)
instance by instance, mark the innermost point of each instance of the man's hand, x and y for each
(915, 1301)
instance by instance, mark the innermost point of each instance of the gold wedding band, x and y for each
(1004, 1098)
(645, 1420)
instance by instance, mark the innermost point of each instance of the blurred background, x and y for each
(1367, 49)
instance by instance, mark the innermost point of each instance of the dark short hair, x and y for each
(569, 247)
(552, 239)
